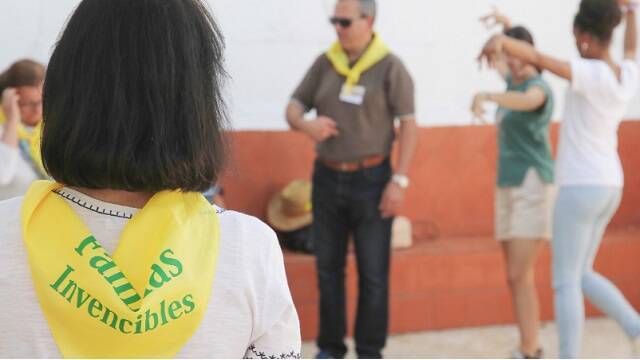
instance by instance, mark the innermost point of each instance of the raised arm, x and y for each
(525, 52)
(630, 34)
(495, 18)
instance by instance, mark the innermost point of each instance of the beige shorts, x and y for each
(525, 212)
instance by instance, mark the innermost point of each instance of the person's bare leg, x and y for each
(520, 256)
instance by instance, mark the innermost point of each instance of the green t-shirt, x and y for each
(523, 138)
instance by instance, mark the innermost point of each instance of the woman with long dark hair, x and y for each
(121, 255)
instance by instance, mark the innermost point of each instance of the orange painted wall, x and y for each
(458, 279)
(452, 175)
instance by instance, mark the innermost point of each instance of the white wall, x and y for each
(271, 43)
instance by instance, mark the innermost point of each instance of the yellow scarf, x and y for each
(376, 51)
(32, 138)
(147, 299)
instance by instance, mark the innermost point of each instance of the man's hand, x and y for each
(321, 128)
(10, 105)
(392, 199)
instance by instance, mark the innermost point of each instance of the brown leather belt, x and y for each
(348, 166)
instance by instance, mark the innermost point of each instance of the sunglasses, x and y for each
(342, 22)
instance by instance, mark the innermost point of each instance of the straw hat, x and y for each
(290, 209)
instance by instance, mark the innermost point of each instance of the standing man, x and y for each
(358, 89)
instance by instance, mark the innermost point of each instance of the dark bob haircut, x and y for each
(520, 33)
(598, 18)
(132, 97)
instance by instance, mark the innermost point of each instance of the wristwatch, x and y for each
(401, 180)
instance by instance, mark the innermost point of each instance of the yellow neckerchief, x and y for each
(376, 51)
(147, 299)
(33, 139)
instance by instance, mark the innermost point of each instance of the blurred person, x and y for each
(20, 117)
(358, 88)
(589, 172)
(524, 193)
(289, 212)
(121, 255)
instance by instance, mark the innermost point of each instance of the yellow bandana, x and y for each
(376, 51)
(32, 139)
(147, 299)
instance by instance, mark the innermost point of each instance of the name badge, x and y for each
(354, 96)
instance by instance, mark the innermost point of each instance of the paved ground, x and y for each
(602, 339)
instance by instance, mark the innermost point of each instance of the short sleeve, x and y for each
(401, 92)
(630, 78)
(276, 332)
(585, 77)
(549, 101)
(282, 341)
(306, 90)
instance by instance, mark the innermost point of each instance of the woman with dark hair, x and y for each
(20, 116)
(122, 256)
(524, 196)
(589, 173)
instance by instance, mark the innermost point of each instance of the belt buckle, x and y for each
(344, 166)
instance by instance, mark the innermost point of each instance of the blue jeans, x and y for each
(581, 216)
(347, 203)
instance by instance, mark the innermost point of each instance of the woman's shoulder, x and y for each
(540, 82)
(250, 258)
(245, 237)
(238, 222)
